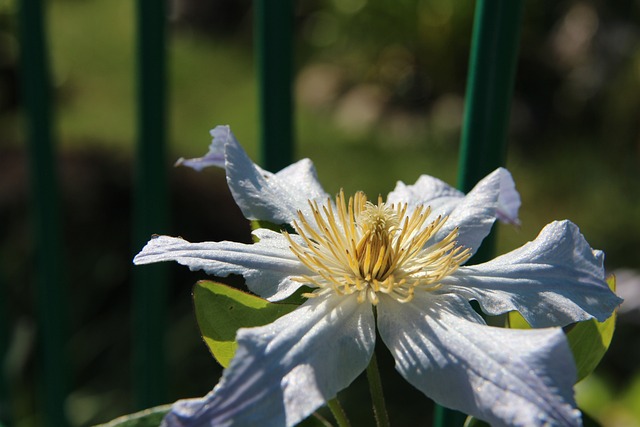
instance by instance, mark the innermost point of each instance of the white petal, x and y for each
(493, 197)
(428, 191)
(260, 194)
(555, 280)
(301, 180)
(284, 371)
(475, 213)
(443, 198)
(215, 157)
(267, 265)
(506, 377)
(271, 197)
(509, 199)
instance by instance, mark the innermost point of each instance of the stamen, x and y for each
(357, 247)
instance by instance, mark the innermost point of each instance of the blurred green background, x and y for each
(379, 98)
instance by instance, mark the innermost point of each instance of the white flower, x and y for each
(404, 256)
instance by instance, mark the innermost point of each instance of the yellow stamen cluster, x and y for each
(363, 248)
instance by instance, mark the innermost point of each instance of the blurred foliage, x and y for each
(380, 88)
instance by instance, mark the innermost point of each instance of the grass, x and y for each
(93, 48)
(92, 53)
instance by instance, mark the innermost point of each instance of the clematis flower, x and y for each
(397, 265)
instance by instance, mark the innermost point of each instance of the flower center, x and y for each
(366, 249)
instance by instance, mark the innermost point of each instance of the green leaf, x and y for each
(148, 418)
(474, 422)
(221, 310)
(315, 420)
(255, 224)
(516, 321)
(589, 340)
(587, 421)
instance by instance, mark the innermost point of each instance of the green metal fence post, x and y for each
(50, 298)
(150, 206)
(494, 53)
(273, 40)
(493, 59)
(5, 405)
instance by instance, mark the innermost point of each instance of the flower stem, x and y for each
(377, 397)
(338, 413)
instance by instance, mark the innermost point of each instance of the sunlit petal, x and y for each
(221, 136)
(506, 377)
(284, 371)
(429, 191)
(267, 265)
(443, 198)
(493, 197)
(554, 280)
(509, 199)
(260, 194)
(475, 213)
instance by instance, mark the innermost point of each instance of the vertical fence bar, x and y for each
(50, 298)
(493, 59)
(273, 40)
(150, 206)
(494, 53)
(492, 66)
(5, 407)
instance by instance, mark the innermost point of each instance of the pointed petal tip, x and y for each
(554, 280)
(509, 199)
(216, 155)
(220, 130)
(151, 248)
